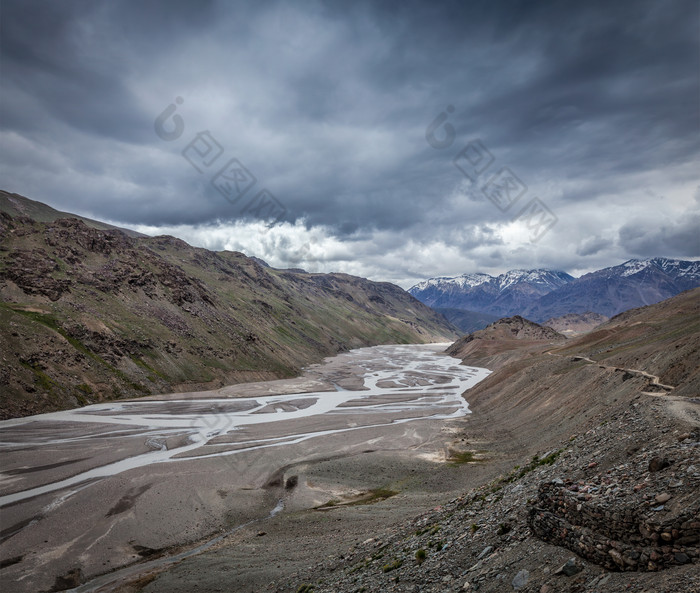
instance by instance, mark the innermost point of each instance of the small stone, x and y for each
(681, 558)
(546, 589)
(570, 568)
(604, 580)
(467, 586)
(558, 481)
(520, 579)
(666, 537)
(485, 552)
(657, 463)
(617, 557)
(592, 464)
(261, 533)
(663, 497)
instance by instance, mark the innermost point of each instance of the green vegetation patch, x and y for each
(462, 457)
(535, 462)
(369, 497)
(392, 565)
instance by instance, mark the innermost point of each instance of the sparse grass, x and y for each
(369, 497)
(140, 362)
(430, 529)
(376, 495)
(535, 462)
(420, 556)
(42, 380)
(392, 565)
(462, 457)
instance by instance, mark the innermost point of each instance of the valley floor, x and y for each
(92, 490)
(577, 478)
(569, 476)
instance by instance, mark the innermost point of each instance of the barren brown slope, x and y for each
(503, 340)
(539, 391)
(89, 314)
(575, 324)
(19, 206)
(609, 501)
(661, 339)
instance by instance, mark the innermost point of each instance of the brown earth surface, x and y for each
(575, 324)
(548, 426)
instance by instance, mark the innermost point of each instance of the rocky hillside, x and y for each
(574, 324)
(661, 340)
(602, 494)
(19, 206)
(90, 314)
(507, 337)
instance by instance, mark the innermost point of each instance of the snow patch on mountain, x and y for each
(547, 278)
(463, 281)
(541, 294)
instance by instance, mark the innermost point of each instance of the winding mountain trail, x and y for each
(682, 408)
(655, 380)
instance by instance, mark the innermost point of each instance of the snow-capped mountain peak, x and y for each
(542, 294)
(674, 266)
(465, 280)
(633, 266)
(541, 277)
(507, 288)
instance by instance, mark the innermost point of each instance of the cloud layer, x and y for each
(592, 108)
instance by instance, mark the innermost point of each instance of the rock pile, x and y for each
(614, 535)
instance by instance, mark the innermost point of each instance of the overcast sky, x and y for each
(591, 109)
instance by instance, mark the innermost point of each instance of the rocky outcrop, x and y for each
(33, 271)
(507, 335)
(613, 534)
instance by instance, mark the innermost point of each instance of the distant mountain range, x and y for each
(543, 294)
(501, 296)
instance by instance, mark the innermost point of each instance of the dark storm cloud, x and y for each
(327, 104)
